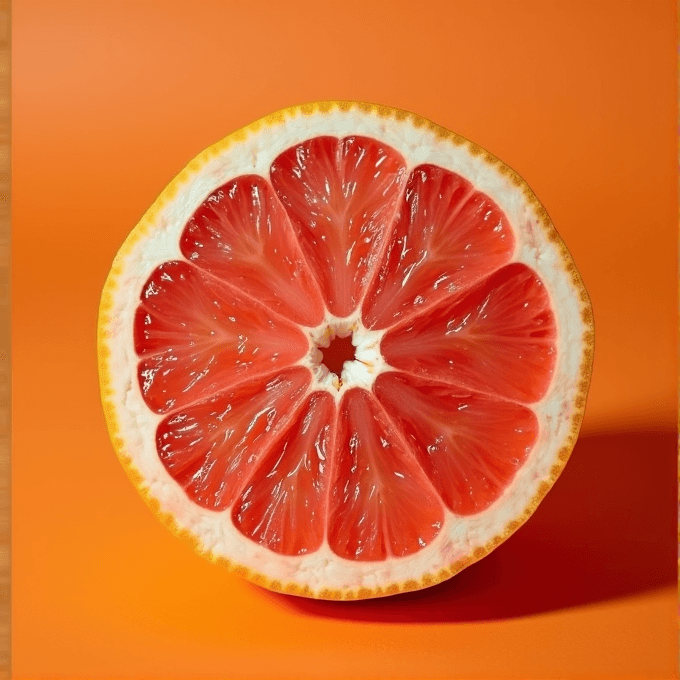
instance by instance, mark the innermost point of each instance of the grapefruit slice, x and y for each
(345, 353)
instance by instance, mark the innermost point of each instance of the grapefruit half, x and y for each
(467, 335)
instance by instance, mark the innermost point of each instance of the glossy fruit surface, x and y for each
(472, 336)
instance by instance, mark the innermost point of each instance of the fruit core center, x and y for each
(344, 354)
(337, 353)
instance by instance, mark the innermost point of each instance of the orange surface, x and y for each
(110, 100)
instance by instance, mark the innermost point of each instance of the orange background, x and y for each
(111, 99)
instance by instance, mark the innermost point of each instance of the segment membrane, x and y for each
(339, 225)
(284, 505)
(211, 448)
(498, 338)
(242, 234)
(197, 336)
(447, 237)
(341, 196)
(381, 502)
(469, 445)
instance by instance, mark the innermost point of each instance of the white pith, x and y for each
(323, 569)
(361, 372)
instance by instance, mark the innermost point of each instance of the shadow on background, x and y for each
(607, 529)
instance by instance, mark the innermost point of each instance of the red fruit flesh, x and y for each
(341, 195)
(498, 338)
(197, 336)
(381, 502)
(284, 505)
(470, 342)
(211, 448)
(242, 234)
(447, 236)
(469, 445)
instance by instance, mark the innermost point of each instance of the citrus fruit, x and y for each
(345, 353)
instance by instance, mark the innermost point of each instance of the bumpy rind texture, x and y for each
(107, 329)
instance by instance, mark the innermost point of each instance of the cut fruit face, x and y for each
(345, 353)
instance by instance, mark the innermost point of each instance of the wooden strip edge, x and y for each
(5, 339)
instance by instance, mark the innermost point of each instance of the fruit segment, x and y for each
(196, 337)
(381, 501)
(283, 507)
(341, 196)
(242, 234)
(210, 448)
(469, 445)
(447, 237)
(498, 338)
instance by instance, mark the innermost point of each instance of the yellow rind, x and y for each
(142, 230)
